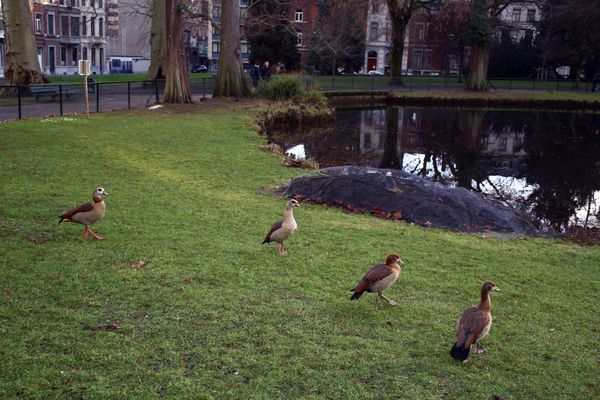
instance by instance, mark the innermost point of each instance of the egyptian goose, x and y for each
(281, 230)
(88, 214)
(379, 278)
(474, 324)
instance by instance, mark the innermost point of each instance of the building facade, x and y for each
(57, 28)
(378, 46)
(303, 15)
(93, 34)
(2, 49)
(428, 50)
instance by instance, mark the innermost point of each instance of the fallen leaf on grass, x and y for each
(138, 264)
(112, 326)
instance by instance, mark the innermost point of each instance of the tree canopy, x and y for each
(270, 34)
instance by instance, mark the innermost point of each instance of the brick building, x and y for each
(303, 16)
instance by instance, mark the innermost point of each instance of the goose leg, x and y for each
(479, 349)
(97, 237)
(390, 301)
(85, 232)
(377, 301)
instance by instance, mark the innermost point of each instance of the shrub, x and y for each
(284, 88)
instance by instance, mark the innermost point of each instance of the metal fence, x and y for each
(18, 102)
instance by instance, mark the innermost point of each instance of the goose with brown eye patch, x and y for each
(474, 325)
(282, 230)
(89, 213)
(379, 278)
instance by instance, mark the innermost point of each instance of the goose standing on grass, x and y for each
(474, 324)
(379, 278)
(283, 229)
(89, 213)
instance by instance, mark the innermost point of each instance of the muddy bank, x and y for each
(292, 115)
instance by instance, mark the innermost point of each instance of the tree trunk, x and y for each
(398, 32)
(399, 16)
(177, 85)
(231, 80)
(158, 41)
(22, 66)
(478, 67)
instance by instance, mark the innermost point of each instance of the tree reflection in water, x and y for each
(547, 163)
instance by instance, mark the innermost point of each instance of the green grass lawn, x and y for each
(213, 314)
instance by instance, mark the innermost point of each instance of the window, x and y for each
(73, 3)
(453, 62)
(93, 26)
(427, 60)
(516, 14)
(93, 62)
(375, 9)
(61, 2)
(244, 48)
(51, 24)
(374, 32)
(299, 39)
(40, 54)
(52, 58)
(74, 26)
(420, 31)
(216, 11)
(99, 3)
(101, 60)
(502, 144)
(63, 56)
(299, 16)
(417, 60)
(85, 55)
(64, 25)
(100, 26)
(83, 3)
(74, 56)
(38, 23)
(531, 15)
(215, 47)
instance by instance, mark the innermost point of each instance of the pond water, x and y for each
(546, 163)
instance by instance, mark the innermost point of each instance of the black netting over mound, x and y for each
(400, 195)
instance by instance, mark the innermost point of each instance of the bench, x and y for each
(51, 91)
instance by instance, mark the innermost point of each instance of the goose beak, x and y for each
(496, 289)
(400, 261)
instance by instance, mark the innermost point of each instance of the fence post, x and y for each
(203, 88)
(557, 85)
(60, 92)
(534, 85)
(19, 100)
(97, 97)
(128, 94)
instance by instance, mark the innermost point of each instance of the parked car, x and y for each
(200, 68)
(374, 72)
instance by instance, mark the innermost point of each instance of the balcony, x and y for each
(69, 39)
